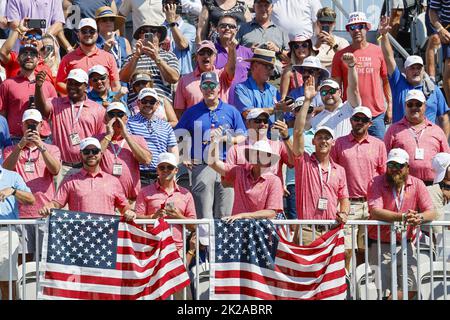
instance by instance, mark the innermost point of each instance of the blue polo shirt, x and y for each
(93, 95)
(5, 138)
(198, 120)
(157, 133)
(9, 209)
(436, 104)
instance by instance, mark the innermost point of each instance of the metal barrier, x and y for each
(361, 284)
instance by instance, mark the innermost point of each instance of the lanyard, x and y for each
(321, 177)
(116, 153)
(399, 198)
(29, 155)
(417, 136)
(75, 119)
(118, 55)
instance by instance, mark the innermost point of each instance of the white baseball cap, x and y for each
(255, 113)
(148, 92)
(116, 106)
(364, 110)
(101, 70)
(87, 22)
(90, 142)
(313, 62)
(167, 157)
(358, 17)
(325, 128)
(440, 163)
(330, 83)
(398, 155)
(78, 75)
(415, 95)
(413, 60)
(32, 114)
(264, 146)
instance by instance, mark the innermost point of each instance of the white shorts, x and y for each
(6, 255)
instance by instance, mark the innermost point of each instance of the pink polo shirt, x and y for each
(236, 156)
(381, 196)
(99, 193)
(77, 59)
(308, 188)
(130, 177)
(154, 197)
(188, 89)
(40, 181)
(250, 194)
(14, 96)
(431, 138)
(90, 123)
(362, 161)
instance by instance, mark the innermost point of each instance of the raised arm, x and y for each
(202, 26)
(352, 90)
(298, 144)
(40, 102)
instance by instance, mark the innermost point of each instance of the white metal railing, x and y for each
(361, 282)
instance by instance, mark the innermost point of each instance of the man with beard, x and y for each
(413, 78)
(371, 69)
(100, 87)
(336, 114)
(320, 183)
(402, 199)
(363, 157)
(86, 56)
(91, 189)
(16, 93)
(418, 136)
(188, 90)
(123, 152)
(74, 118)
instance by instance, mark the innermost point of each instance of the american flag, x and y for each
(94, 256)
(250, 260)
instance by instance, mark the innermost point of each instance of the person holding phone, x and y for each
(326, 42)
(37, 163)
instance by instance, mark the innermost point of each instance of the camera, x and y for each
(148, 37)
(37, 24)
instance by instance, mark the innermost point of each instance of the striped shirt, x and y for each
(157, 133)
(443, 9)
(161, 86)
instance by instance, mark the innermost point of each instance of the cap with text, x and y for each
(78, 75)
(415, 95)
(148, 92)
(209, 76)
(32, 114)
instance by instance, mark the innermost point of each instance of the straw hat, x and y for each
(106, 12)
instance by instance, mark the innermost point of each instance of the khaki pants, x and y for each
(358, 211)
(305, 237)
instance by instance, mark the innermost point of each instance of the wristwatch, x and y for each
(158, 60)
(14, 191)
(173, 24)
(42, 149)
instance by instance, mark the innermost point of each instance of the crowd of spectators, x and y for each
(218, 109)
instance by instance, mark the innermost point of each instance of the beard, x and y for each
(397, 179)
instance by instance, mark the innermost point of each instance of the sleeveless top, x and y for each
(215, 13)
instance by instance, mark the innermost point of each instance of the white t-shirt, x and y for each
(296, 16)
(338, 120)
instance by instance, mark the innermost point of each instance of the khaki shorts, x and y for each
(305, 237)
(358, 211)
(6, 256)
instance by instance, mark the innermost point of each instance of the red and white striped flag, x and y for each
(250, 260)
(101, 257)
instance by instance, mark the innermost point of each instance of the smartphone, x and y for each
(37, 23)
(148, 37)
(31, 102)
(179, 9)
(32, 126)
(169, 206)
(326, 28)
(289, 100)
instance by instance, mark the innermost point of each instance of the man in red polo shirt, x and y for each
(9, 59)
(320, 183)
(74, 118)
(16, 92)
(86, 56)
(37, 163)
(123, 152)
(358, 153)
(91, 189)
(402, 199)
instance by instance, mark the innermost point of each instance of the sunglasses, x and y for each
(102, 78)
(208, 85)
(297, 45)
(323, 93)
(444, 186)
(354, 27)
(87, 152)
(360, 119)
(259, 121)
(28, 54)
(308, 70)
(148, 101)
(414, 104)
(118, 114)
(168, 167)
(88, 31)
(33, 37)
(227, 25)
(395, 165)
(206, 52)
